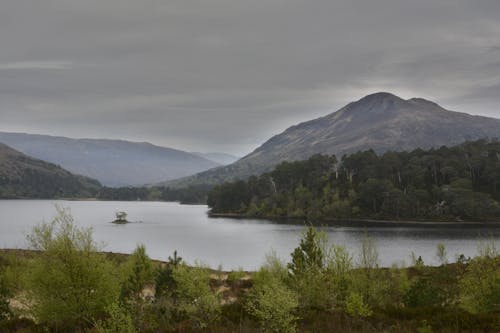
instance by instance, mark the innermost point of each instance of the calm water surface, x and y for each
(232, 243)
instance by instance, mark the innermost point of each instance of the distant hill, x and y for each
(380, 121)
(112, 162)
(24, 177)
(220, 158)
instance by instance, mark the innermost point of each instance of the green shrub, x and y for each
(164, 279)
(195, 300)
(138, 270)
(423, 293)
(480, 286)
(272, 304)
(355, 306)
(69, 282)
(118, 321)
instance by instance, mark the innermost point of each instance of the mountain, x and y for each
(24, 177)
(112, 162)
(380, 121)
(220, 158)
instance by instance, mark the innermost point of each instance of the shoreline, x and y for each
(340, 222)
(114, 256)
(359, 222)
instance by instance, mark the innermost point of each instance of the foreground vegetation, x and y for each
(68, 285)
(451, 184)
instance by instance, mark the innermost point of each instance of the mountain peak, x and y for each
(377, 101)
(375, 104)
(380, 96)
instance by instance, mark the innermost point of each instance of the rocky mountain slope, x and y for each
(112, 162)
(380, 121)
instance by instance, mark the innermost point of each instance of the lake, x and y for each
(232, 243)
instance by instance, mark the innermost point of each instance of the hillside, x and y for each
(459, 183)
(112, 162)
(220, 158)
(25, 177)
(380, 121)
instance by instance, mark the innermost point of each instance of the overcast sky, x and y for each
(225, 75)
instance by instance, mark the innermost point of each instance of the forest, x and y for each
(194, 194)
(45, 185)
(65, 283)
(460, 183)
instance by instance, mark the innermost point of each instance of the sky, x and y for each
(226, 75)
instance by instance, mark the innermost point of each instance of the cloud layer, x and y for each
(226, 74)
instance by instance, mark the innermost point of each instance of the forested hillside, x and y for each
(24, 177)
(457, 183)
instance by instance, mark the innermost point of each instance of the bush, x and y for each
(138, 271)
(308, 271)
(195, 300)
(480, 286)
(272, 304)
(355, 306)
(339, 272)
(69, 282)
(423, 293)
(164, 280)
(371, 282)
(118, 321)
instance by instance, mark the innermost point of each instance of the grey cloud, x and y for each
(226, 74)
(35, 65)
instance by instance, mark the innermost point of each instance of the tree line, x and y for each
(68, 285)
(194, 194)
(449, 183)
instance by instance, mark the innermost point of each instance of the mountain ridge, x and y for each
(113, 162)
(381, 121)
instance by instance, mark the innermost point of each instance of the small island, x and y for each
(121, 218)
